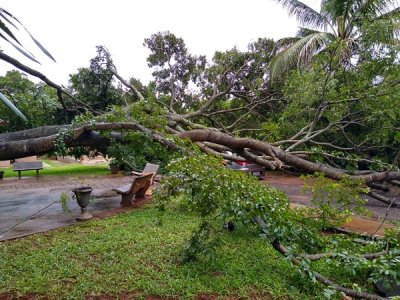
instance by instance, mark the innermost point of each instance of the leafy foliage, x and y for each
(37, 101)
(221, 195)
(342, 32)
(335, 201)
(95, 85)
(202, 185)
(174, 66)
(136, 150)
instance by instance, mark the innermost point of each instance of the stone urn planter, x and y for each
(82, 196)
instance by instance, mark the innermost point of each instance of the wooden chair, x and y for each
(149, 168)
(137, 188)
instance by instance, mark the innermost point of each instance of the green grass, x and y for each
(59, 168)
(129, 253)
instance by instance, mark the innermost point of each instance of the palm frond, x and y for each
(44, 50)
(302, 32)
(4, 17)
(393, 15)
(332, 9)
(20, 49)
(375, 8)
(283, 44)
(287, 59)
(8, 32)
(316, 42)
(304, 14)
(13, 107)
(10, 19)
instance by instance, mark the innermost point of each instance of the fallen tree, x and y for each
(232, 111)
(43, 140)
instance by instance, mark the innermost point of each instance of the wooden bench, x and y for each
(137, 188)
(26, 166)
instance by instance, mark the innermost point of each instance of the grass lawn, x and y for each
(59, 168)
(130, 253)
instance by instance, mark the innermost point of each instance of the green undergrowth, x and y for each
(133, 253)
(63, 169)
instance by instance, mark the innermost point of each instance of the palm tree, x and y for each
(337, 28)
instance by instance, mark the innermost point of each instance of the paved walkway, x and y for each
(293, 185)
(20, 200)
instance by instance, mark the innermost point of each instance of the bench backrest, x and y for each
(31, 165)
(150, 168)
(140, 182)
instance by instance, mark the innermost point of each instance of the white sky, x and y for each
(71, 29)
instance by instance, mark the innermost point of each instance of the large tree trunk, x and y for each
(42, 140)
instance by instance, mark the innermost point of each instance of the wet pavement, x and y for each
(293, 185)
(32, 204)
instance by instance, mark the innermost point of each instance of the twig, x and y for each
(27, 218)
(384, 219)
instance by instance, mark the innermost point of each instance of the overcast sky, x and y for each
(71, 29)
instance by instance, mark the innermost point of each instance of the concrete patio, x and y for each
(32, 204)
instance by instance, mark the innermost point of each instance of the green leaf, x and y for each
(13, 107)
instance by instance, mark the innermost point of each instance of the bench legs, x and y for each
(127, 199)
(142, 192)
(19, 173)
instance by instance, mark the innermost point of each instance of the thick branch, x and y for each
(42, 77)
(238, 144)
(129, 86)
(86, 135)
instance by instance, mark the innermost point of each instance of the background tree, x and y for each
(35, 100)
(174, 67)
(336, 29)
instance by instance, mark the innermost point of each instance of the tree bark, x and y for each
(239, 144)
(42, 140)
